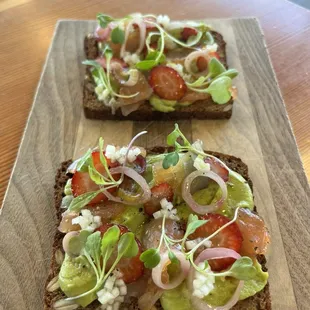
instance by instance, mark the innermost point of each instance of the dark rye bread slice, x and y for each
(202, 109)
(261, 301)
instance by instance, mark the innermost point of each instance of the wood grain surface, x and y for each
(27, 27)
(57, 130)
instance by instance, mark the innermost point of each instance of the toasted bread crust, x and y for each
(202, 109)
(260, 301)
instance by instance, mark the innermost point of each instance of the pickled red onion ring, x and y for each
(142, 29)
(157, 271)
(144, 197)
(213, 253)
(194, 56)
(187, 196)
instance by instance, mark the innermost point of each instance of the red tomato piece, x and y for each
(230, 237)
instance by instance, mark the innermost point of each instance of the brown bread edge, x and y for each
(203, 109)
(260, 301)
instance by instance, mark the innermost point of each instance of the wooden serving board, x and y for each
(259, 132)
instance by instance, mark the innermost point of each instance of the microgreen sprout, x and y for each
(171, 159)
(98, 251)
(105, 181)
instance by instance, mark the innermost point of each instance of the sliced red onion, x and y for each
(187, 196)
(67, 238)
(194, 56)
(157, 271)
(142, 27)
(217, 167)
(136, 177)
(213, 253)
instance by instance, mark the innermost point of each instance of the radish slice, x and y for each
(157, 271)
(213, 253)
(187, 196)
(136, 177)
(194, 56)
(142, 29)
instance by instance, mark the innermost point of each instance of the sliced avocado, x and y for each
(177, 298)
(183, 211)
(239, 195)
(76, 277)
(132, 217)
(184, 103)
(162, 105)
(223, 290)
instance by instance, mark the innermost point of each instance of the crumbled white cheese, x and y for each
(167, 210)
(102, 92)
(199, 164)
(198, 145)
(190, 244)
(176, 67)
(112, 294)
(87, 221)
(163, 20)
(119, 154)
(212, 48)
(179, 68)
(131, 59)
(203, 284)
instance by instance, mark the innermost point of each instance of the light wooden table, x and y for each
(27, 28)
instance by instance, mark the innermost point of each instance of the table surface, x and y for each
(27, 27)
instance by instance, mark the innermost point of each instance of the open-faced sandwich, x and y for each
(146, 67)
(166, 228)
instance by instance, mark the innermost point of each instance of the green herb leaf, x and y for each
(127, 245)
(117, 36)
(173, 136)
(92, 63)
(146, 65)
(103, 160)
(242, 269)
(97, 177)
(171, 159)
(173, 258)
(150, 258)
(215, 67)
(231, 73)
(84, 162)
(154, 54)
(219, 90)
(76, 243)
(104, 20)
(92, 246)
(191, 227)
(109, 241)
(81, 201)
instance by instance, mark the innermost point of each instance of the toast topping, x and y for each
(213, 254)
(151, 44)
